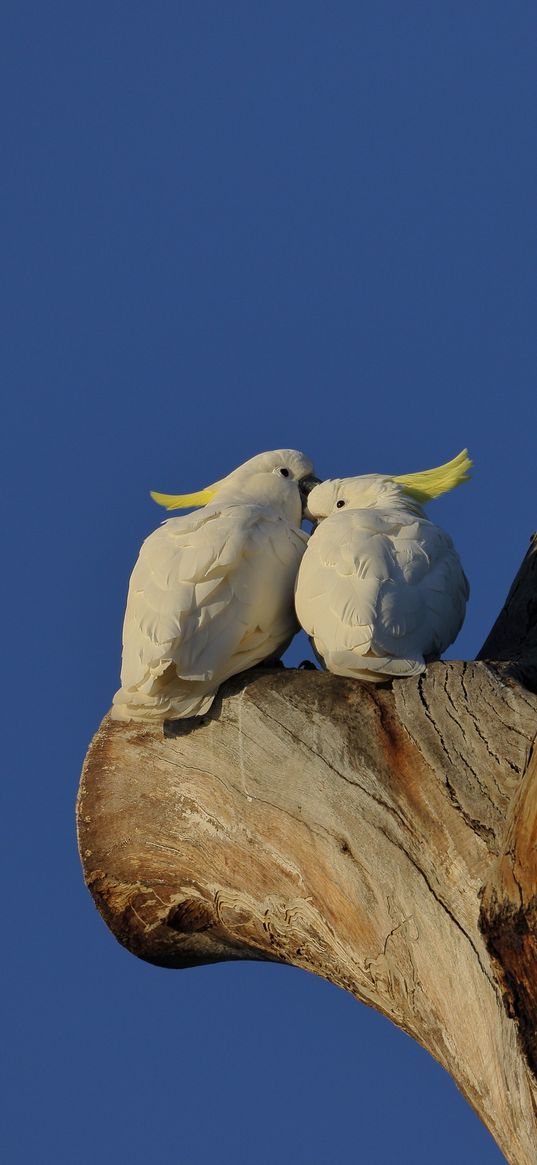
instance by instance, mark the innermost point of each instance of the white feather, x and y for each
(380, 589)
(212, 593)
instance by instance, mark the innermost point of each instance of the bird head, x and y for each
(282, 478)
(379, 490)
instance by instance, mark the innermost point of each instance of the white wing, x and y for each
(210, 595)
(380, 593)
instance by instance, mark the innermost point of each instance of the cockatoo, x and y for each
(212, 591)
(380, 589)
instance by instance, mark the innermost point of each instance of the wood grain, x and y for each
(383, 838)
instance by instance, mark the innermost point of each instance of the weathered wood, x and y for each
(382, 838)
(385, 839)
(509, 910)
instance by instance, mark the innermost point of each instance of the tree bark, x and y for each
(383, 838)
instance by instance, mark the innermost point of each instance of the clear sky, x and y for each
(229, 227)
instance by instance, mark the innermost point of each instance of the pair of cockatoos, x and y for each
(379, 588)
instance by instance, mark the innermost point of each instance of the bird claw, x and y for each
(183, 726)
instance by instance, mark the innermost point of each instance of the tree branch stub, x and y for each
(383, 838)
(513, 638)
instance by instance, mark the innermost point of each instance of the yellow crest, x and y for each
(433, 482)
(185, 501)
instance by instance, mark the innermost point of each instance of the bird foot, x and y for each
(182, 727)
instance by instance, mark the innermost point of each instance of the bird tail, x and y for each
(132, 705)
(375, 669)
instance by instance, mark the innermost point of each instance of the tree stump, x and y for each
(383, 838)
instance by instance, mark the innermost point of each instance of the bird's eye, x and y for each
(284, 472)
(339, 504)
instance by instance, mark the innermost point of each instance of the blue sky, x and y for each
(228, 228)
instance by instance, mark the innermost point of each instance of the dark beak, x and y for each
(305, 486)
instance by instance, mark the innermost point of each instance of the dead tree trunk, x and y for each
(382, 838)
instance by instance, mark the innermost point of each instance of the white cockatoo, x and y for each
(212, 591)
(380, 589)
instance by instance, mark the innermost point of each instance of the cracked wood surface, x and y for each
(381, 838)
